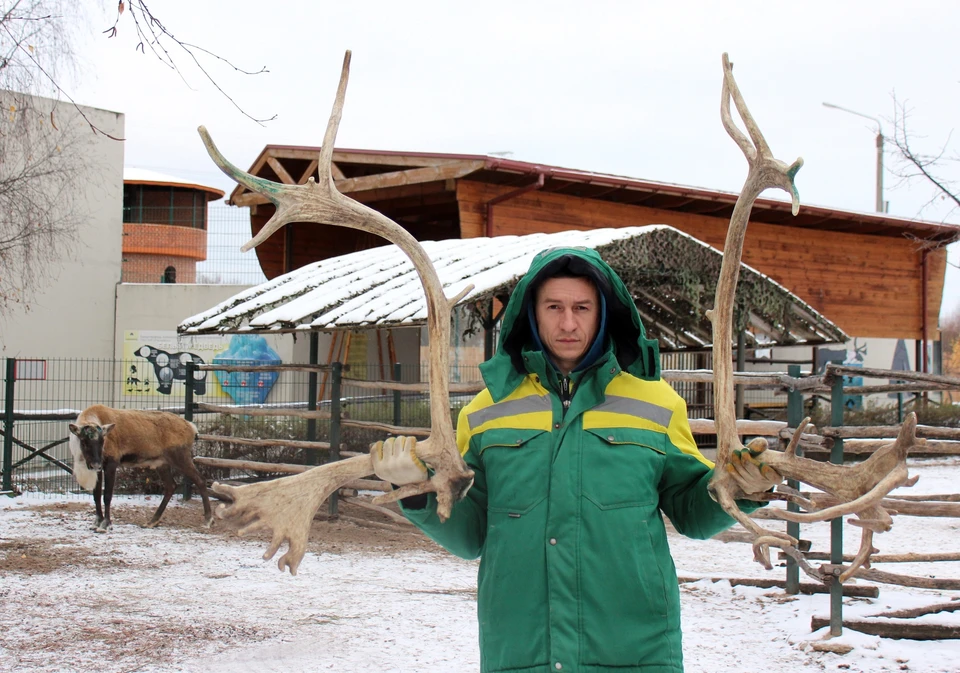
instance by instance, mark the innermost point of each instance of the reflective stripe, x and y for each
(524, 405)
(632, 407)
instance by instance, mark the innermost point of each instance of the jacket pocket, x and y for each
(622, 466)
(517, 464)
(629, 616)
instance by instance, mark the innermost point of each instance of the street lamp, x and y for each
(880, 204)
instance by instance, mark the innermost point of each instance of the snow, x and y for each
(176, 599)
(380, 286)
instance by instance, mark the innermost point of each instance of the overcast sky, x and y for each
(629, 88)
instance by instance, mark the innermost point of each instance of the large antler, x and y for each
(857, 489)
(287, 506)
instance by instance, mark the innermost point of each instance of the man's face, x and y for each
(568, 317)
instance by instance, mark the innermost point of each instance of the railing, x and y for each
(227, 229)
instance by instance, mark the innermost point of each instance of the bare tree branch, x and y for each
(153, 34)
(912, 164)
(43, 166)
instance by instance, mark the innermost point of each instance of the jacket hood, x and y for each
(635, 353)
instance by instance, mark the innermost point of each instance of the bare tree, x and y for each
(912, 164)
(41, 164)
(155, 37)
(44, 151)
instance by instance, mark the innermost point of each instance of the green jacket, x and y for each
(565, 511)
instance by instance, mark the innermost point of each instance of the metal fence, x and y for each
(229, 228)
(177, 240)
(42, 396)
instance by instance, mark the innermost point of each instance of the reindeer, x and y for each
(103, 439)
(287, 506)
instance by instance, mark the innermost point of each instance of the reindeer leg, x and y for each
(97, 491)
(169, 486)
(201, 485)
(109, 479)
(184, 462)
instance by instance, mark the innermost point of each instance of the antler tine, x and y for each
(764, 171)
(730, 85)
(857, 490)
(782, 175)
(251, 182)
(791, 449)
(325, 162)
(749, 151)
(287, 505)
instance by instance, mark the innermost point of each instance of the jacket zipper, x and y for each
(565, 392)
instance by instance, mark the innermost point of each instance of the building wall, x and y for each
(73, 314)
(148, 249)
(161, 307)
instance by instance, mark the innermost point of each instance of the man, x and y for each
(577, 446)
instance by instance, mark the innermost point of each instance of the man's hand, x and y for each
(395, 460)
(753, 475)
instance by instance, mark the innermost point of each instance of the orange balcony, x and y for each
(165, 240)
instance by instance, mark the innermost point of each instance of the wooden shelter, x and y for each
(872, 274)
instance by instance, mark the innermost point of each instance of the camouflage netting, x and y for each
(672, 278)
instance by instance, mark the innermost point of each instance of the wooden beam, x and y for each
(391, 159)
(281, 172)
(311, 170)
(348, 157)
(408, 177)
(250, 199)
(808, 588)
(450, 171)
(386, 427)
(337, 173)
(889, 432)
(265, 443)
(886, 628)
(261, 411)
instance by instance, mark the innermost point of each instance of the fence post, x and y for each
(794, 417)
(9, 378)
(188, 382)
(397, 406)
(313, 456)
(836, 525)
(335, 381)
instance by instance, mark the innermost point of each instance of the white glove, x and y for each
(395, 460)
(753, 475)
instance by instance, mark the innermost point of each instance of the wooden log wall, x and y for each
(868, 285)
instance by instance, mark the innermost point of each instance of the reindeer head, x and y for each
(91, 442)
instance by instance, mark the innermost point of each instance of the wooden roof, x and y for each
(359, 171)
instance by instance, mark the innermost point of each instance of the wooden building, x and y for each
(874, 275)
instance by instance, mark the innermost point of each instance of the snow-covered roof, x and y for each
(667, 271)
(143, 176)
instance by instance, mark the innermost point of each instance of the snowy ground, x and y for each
(181, 598)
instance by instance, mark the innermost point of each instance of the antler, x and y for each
(287, 505)
(856, 489)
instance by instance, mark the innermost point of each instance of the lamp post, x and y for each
(880, 205)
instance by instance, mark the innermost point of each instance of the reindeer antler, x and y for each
(287, 505)
(857, 489)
